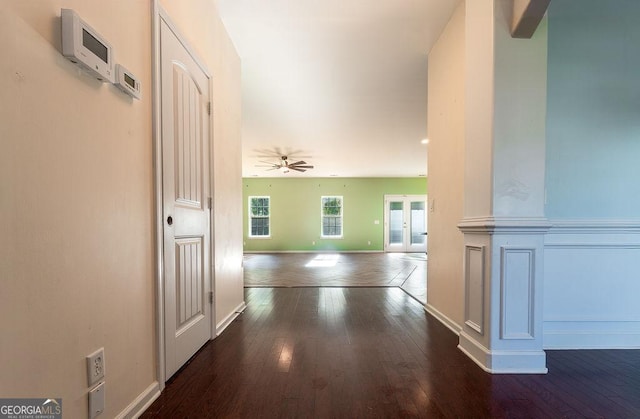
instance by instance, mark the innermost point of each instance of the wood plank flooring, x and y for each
(405, 270)
(375, 353)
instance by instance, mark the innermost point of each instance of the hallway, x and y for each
(375, 353)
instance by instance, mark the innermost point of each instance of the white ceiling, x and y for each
(341, 84)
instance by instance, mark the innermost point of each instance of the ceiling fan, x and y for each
(284, 166)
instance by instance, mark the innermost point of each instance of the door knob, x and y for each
(169, 220)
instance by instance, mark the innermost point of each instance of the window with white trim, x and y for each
(259, 216)
(331, 215)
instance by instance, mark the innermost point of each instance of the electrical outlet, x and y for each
(96, 401)
(95, 367)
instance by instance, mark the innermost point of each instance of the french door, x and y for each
(405, 223)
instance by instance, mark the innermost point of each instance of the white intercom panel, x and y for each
(83, 46)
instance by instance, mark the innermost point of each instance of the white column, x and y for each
(503, 224)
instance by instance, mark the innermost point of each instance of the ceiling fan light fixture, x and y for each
(285, 166)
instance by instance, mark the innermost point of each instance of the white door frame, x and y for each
(403, 198)
(158, 15)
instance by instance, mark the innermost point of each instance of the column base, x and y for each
(503, 362)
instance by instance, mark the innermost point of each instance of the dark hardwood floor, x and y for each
(375, 353)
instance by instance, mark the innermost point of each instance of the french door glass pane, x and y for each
(395, 223)
(418, 227)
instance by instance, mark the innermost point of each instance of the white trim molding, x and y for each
(156, 11)
(220, 327)
(443, 318)
(507, 336)
(504, 225)
(517, 289)
(594, 226)
(503, 361)
(141, 403)
(601, 246)
(585, 334)
(474, 284)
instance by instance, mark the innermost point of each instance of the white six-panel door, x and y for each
(185, 186)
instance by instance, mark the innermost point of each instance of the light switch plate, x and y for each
(96, 401)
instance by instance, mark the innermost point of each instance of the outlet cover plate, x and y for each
(96, 401)
(95, 367)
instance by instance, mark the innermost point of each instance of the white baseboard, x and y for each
(591, 334)
(141, 403)
(444, 319)
(230, 318)
(503, 362)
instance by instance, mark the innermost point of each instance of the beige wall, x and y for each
(446, 171)
(479, 107)
(77, 205)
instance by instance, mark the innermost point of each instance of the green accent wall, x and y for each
(295, 211)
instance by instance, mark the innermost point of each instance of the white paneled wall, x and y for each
(592, 272)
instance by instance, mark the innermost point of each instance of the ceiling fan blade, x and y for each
(298, 166)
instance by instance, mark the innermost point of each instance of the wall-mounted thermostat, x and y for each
(83, 46)
(127, 82)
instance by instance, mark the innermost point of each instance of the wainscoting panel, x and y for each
(591, 285)
(474, 287)
(516, 292)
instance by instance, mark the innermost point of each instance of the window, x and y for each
(259, 216)
(331, 216)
